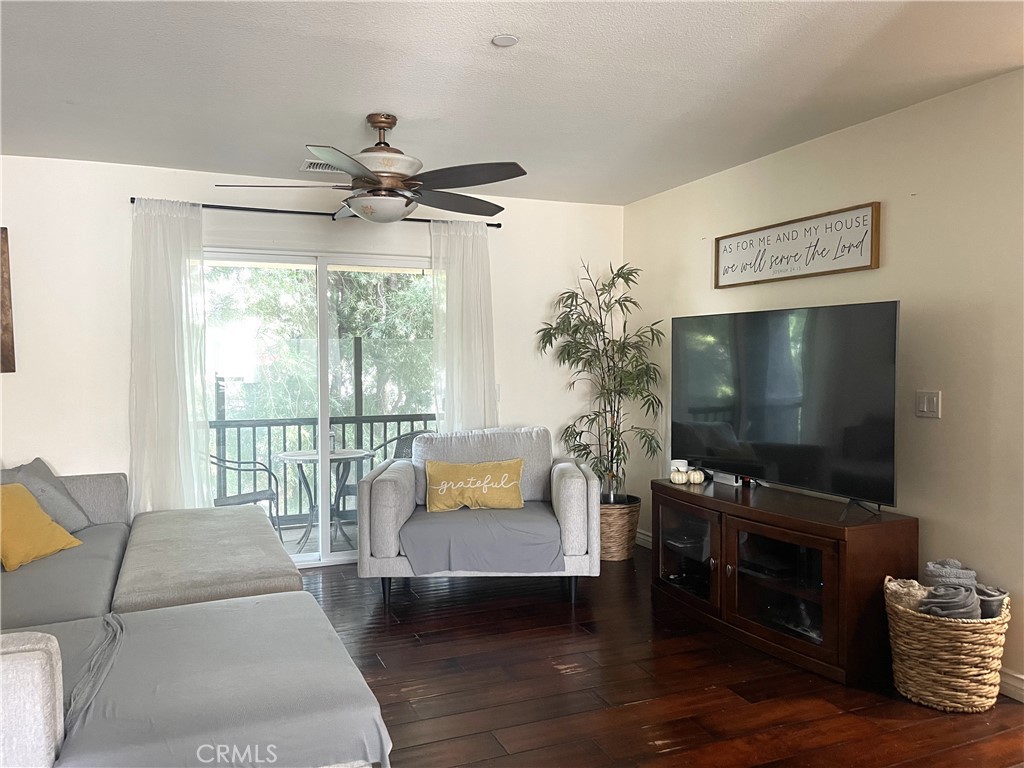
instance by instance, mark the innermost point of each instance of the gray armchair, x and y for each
(557, 533)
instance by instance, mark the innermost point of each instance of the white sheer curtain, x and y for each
(169, 434)
(465, 392)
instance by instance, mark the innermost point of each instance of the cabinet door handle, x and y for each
(712, 563)
(728, 570)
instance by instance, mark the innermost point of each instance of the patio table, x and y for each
(342, 460)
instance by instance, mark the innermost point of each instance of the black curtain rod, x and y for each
(495, 225)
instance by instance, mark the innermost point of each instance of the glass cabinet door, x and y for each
(782, 586)
(688, 556)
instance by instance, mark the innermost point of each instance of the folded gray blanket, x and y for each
(991, 600)
(948, 572)
(951, 601)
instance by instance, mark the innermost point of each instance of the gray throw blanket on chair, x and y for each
(951, 601)
(948, 572)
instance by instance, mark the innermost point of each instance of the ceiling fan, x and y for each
(387, 186)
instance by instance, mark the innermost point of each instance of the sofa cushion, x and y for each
(531, 444)
(26, 532)
(484, 485)
(266, 671)
(184, 556)
(103, 497)
(74, 584)
(526, 540)
(48, 489)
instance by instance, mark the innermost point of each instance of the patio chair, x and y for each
(268, 494)
(402, 444)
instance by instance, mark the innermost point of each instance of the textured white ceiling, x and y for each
(600, 102)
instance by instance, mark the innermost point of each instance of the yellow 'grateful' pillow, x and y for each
(26, 532)
(487, 485)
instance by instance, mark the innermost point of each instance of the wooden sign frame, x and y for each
(794, 249)
(6, 310)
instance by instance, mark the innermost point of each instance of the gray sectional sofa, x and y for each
(181, 638)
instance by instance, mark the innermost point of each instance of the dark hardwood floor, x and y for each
(504, 672)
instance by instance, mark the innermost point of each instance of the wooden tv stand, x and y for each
(787, 573)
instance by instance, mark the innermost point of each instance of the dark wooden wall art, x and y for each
(6, 313)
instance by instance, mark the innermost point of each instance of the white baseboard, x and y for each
(643, 538)
(1012, 684)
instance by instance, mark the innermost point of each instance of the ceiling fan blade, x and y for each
(468, 175)
(287, 186)
(342, 212)
(450, 201)
(343, 162)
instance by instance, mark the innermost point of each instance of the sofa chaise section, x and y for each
(266, 673)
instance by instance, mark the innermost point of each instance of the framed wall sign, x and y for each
(837, 241)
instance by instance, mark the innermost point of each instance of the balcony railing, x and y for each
(264, 439)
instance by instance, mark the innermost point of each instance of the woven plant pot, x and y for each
(618, 528)
(947, 664)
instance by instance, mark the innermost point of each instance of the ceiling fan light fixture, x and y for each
(381, 208)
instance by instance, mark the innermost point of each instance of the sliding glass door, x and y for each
(261, 365)
(379, 375)
(317, 367)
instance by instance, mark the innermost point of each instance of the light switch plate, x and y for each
(928, 404)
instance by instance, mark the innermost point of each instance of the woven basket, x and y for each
(618, 529)
(947, 664)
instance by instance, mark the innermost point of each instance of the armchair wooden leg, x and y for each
(385, 586)
(572, 589)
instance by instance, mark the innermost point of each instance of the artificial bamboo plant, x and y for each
(591, 336)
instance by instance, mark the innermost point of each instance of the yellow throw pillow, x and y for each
(487, 485)
(26, 532)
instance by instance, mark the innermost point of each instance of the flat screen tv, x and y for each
(802, 397)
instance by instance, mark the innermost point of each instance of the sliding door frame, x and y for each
(322, 262)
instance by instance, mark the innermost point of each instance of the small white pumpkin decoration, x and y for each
(678, 477)
(695, 476)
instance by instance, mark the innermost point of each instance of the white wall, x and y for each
(70, 238)
(948, 173)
